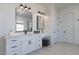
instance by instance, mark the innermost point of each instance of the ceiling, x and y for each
(60, 5)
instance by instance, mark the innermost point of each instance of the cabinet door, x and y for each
(30, 44)
(76, 27)
(68, 27)
(33, 44)
(25, 47)
(37, 42)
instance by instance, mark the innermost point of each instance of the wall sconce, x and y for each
(41, 13)
(24, 8)
(29, 9)
(21, 6)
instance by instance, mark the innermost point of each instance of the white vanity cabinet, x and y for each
(38, 42)
(30, 44)
(23, 45)
(26, 44)
(13, 46)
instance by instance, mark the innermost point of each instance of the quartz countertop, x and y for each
(27, 35)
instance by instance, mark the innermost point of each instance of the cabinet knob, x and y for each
(29, 42)
(64, 31)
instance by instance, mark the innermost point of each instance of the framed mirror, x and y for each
(23, 21)
(40, 22)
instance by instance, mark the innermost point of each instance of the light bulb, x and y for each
(25, 8)
(21, 6)
(29, 9)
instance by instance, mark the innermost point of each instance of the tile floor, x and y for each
(58, 49)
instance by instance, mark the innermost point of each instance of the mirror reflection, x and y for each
(40, 22)
(23, 21)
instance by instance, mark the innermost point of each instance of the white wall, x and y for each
(7, 18)
(53, 24)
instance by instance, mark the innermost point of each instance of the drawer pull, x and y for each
(14, 46)
(15, 54)
(14, 40)
(64, 31)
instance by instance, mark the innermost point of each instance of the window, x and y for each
(19, 27)
(19, 24)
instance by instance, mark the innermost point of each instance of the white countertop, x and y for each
(27, 35)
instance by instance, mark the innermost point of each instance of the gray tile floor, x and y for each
(58, 49)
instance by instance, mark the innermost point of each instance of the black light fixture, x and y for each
(29, 9)
(41, 13)
(25, 7)
(21, 6)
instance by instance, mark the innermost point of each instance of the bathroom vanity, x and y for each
(22, 44)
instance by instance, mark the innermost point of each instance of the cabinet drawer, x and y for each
(38, 41)
(13, 52)
(12, 49)
(39, 46)
(13, 45)
(14, 41)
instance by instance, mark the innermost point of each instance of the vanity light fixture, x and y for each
(25, 8)
(21, 6)
(41, 13)
(29, 9)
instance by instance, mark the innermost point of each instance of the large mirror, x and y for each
(40, 22)
(23, 21)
